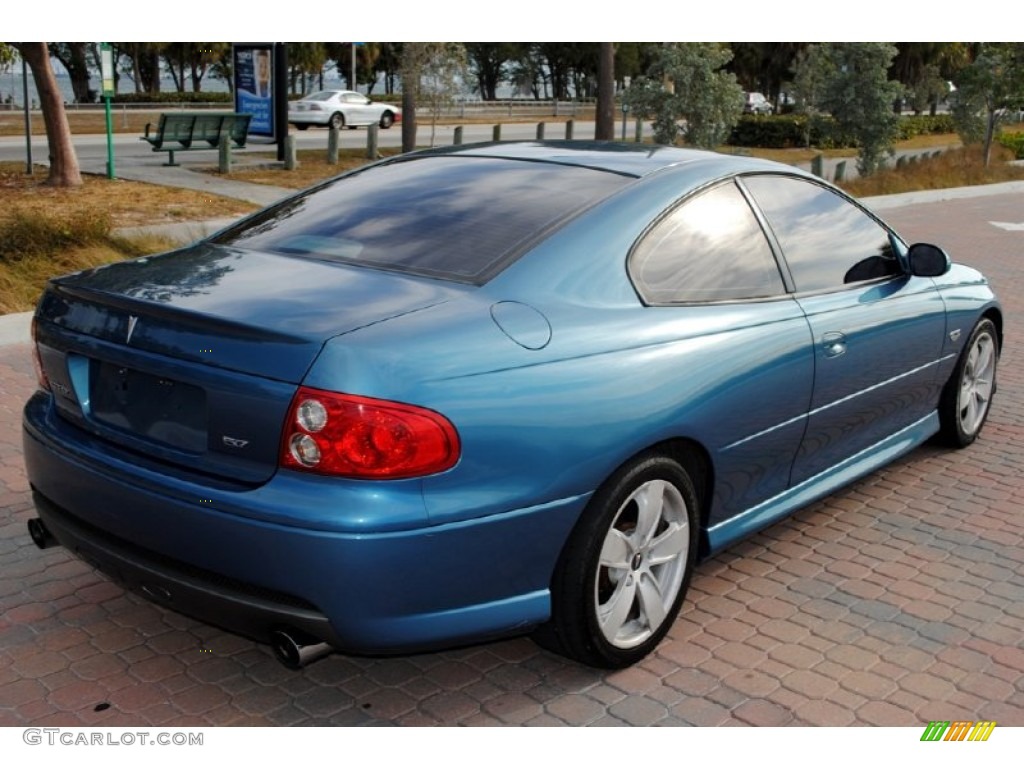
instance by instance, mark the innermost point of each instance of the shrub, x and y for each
(173, 97)
(1013, 142)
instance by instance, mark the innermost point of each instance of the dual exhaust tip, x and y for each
(293, 648)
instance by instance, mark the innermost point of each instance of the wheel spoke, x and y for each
(669, 545)
(613, 614)
(650, 500)
(652, 603)
(615, 552)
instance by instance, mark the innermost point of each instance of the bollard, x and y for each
(224, 152)
(496, 133)
(458, 136)
(291, 161)
(371, 142)
(570, 126)
(333, 139)
(901, 161)
(639, 133)
(840, 170)
(540, 131)
(816, 165)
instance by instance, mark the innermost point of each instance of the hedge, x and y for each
(786, 131)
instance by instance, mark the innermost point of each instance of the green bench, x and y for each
(185, 131)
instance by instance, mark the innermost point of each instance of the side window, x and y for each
(710, 248)
(827, 241)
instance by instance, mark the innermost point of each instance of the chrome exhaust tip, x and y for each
(296, 649)
(40, 534)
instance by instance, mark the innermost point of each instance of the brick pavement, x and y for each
(897, 601)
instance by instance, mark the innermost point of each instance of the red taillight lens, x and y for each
(336, 434)
(44, 383)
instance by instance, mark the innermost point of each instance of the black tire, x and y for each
(612, 601)
(967, 396)
(387, 120)
(337, 121)
(302, 126)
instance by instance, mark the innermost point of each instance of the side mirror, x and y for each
(928, 260)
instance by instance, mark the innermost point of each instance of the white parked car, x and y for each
(341, 109)
(755, 103)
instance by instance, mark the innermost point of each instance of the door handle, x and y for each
(833, 344)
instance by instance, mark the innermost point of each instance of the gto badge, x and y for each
(132, 321)
(234, 442)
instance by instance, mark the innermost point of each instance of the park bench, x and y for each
(185, 131)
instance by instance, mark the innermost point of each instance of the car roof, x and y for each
(627, 159)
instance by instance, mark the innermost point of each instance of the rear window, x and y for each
(455, 218)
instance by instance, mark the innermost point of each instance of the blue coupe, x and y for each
(494, 389)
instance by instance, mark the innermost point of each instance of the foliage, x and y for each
(1013, 142)
(988, 89)
(686, 84)
(173, 97)
(854, 87)
(437, 72)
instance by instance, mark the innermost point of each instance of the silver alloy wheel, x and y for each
(642, 564)
(976, 383)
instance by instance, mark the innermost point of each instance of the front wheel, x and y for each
(337, 121)
(624, 572)
(387, 120)
(967, 396)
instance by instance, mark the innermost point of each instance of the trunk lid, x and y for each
(191, 358)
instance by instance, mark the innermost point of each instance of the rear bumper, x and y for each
(195, 550)
(309, 118)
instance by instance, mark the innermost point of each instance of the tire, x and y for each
(623, 574)
(967, 396)
(387, 120)
(337, 121)
(302, 126)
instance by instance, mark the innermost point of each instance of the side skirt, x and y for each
(876, 456)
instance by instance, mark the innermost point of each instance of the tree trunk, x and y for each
(408, 115)
(63, 160)
(604, 130)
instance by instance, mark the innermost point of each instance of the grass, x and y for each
(46, 231)
(960, 167)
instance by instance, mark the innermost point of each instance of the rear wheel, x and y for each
(967, 396)
(302, 126)
(337, 120)
(623, 574)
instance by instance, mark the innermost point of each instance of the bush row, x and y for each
(786, 131)
(1013, 142)
(172, 97)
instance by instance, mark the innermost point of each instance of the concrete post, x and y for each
(496, 133)
(371, 142)
(458, 136)
(291, 160)
(840, 171)
(224, 152)
(817, 165)
(570, 126)
(638, 135)
(540, 131)
(333, 139)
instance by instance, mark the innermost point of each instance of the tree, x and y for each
(63, 160)
(489, 64)
(191, 61)
(686, 84)
(75, 59)
(859, 95)
(987, 90)
(435, 73)
(604, 130)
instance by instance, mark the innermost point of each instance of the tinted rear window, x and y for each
(460, 219)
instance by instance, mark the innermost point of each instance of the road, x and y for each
(897, 601)
(92, 149)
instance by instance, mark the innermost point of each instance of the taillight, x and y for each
(37, 361)
(332, 433)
